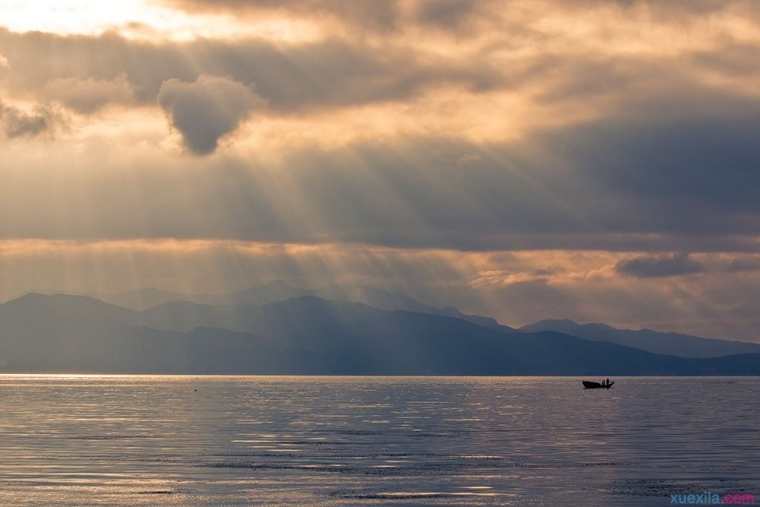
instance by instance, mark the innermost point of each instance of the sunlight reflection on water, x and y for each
(143, 440)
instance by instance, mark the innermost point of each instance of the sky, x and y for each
(588, 159)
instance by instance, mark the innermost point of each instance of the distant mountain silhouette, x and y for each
(653, 341)
(279, 290)
(142, 299)
(307, 335)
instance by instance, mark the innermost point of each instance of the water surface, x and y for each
(147, 440)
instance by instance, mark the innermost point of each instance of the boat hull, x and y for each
(596, 385)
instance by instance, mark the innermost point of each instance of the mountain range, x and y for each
(279, 290)
(646, 339)
(307, 334)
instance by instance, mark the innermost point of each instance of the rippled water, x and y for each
(146, 440)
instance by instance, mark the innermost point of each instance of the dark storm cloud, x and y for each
(675, 171)
(446, 14)
(88, 95)
(387, 15)
(369, 14)
(364, 15)
(743, 265)
(668, 165)
(291, 78)
(679, 264)
(206, 109)
(678, 11)
(682, 161)
(415, 192)
(17, 123)
(87, 73)
(735, 59)
(683, 264)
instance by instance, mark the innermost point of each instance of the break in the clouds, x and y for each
(485, 139)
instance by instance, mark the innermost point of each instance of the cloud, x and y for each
(17, 123)
(446, 14)
(640, 155)
(474, 128)
(293, 78)
(368, 14)
(362, 15)
(679, 264)
(679, 160)
(721, 304)
(206, 109)
(452, 15)
(409, 192)
(89, 95)
(674, 11)
(743, 265)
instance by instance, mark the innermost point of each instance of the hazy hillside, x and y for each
(306, 335)
(280, 291)
(646, 339)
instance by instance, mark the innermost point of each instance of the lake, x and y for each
(174, 440)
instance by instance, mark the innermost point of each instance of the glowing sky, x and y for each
(589, 159)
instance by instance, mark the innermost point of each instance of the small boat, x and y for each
(587, 384)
